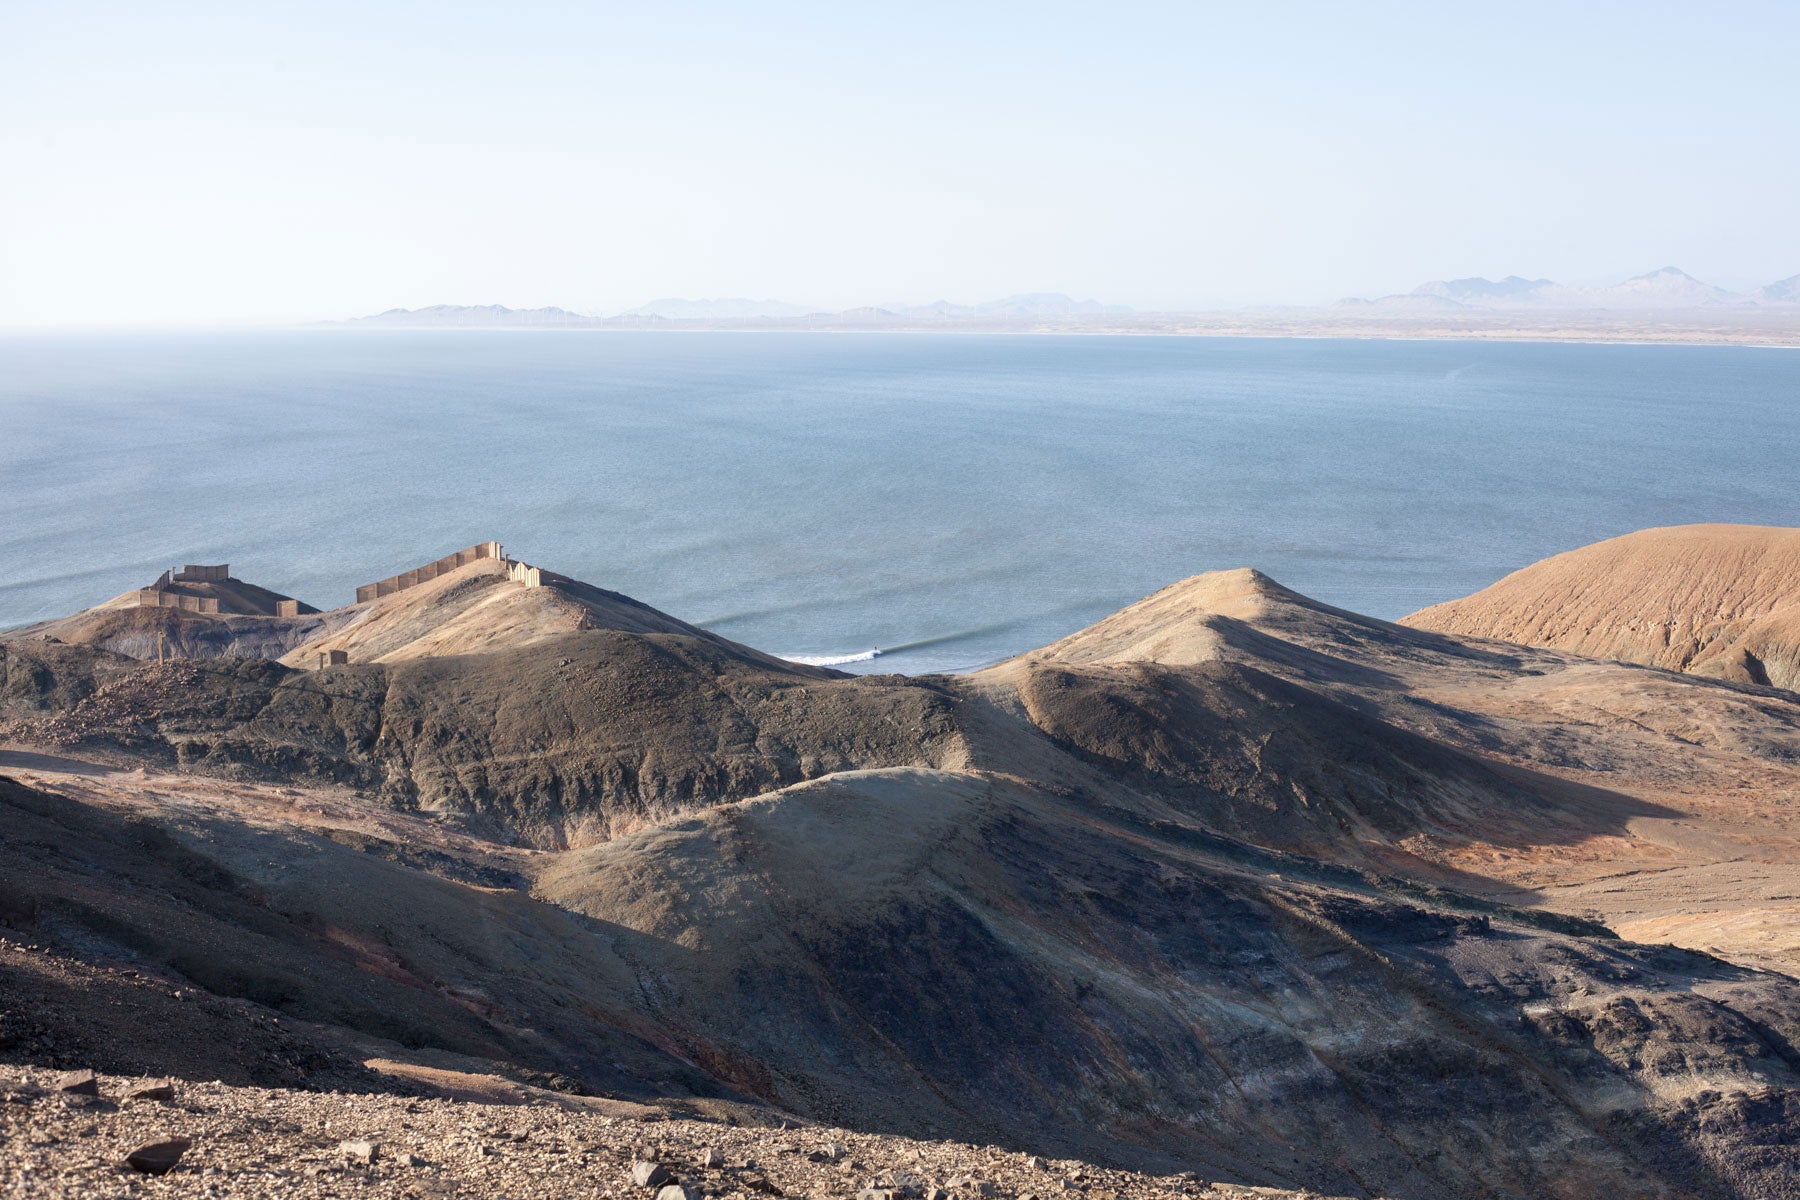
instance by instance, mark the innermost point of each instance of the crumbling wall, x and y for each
(428, 572)
(156, 597)
(162, 593)
(531, 576)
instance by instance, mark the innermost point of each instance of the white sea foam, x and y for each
(830, 660)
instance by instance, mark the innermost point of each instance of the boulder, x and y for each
(676, 1191)
(364, 1153)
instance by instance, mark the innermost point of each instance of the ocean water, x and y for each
(949, 499)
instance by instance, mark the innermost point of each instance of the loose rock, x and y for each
(77, 1083)
(158, 1158)
(159, 1090)
(650, 1174)
(257, 1143)
(362, 1152)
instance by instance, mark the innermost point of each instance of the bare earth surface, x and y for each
(1231, 883)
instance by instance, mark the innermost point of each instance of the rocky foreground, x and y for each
(75, 1134)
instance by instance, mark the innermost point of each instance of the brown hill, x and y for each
(1719, 600)
(477, 608)
(473, 608)
(1232, 882)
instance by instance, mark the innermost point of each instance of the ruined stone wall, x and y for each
(531, 576)
(197, 574)
(154, 597)
(287, 608)
(428, 572)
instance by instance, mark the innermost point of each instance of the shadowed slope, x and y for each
(972, 957)
(559, 740)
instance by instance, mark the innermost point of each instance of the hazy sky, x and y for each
(195, 163)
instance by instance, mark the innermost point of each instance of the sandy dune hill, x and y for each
(1231, 882)
(1719, 600)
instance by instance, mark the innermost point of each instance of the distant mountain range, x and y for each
(1668, 290)
(1665, 290)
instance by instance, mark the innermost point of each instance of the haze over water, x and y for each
(952, 499)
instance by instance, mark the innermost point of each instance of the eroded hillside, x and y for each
(1718, 600)
(1232, 882)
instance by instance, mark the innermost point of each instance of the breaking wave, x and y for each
(830, 660)
(838, 660)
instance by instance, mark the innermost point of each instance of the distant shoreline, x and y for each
(1780, 339)
(1785, 336)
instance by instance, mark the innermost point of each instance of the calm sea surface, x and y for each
(950, 499)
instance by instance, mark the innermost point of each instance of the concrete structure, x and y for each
(287, 608)
(428, 572)
(194, 574)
